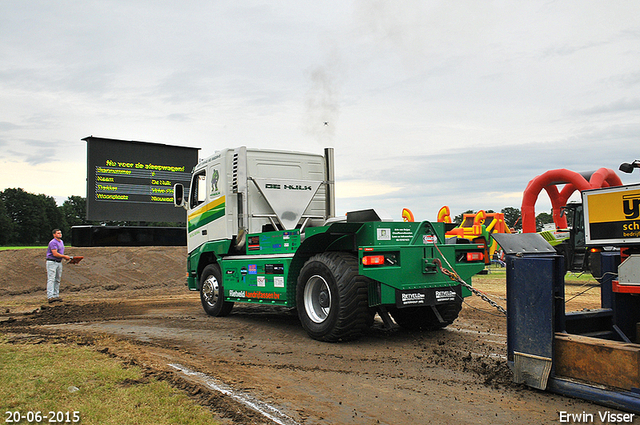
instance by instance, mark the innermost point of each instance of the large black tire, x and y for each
(423, 318)
(212, 292)
(332, 298)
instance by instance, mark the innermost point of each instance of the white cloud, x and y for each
(58, 179)
(429, 103)
(362, 188)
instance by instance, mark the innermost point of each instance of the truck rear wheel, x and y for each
(332, 297)
(424, 318)
(212, 293)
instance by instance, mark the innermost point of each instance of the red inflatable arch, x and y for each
(572, 181)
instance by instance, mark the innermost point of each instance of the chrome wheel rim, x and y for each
(317, 299)
(211, 290)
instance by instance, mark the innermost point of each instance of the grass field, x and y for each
(7, 248)
(582, 290)
(45, 379)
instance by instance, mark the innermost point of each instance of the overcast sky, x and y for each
(428, 103)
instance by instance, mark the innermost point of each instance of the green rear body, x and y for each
(266, 270)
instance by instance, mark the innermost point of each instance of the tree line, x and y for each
(28, 219)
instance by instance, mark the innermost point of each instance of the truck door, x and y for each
(197, 203)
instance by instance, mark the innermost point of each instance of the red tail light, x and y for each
(373, 260)
(475, 256)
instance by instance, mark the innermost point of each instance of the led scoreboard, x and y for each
(133, 181)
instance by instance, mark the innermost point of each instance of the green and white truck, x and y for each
(262, 229)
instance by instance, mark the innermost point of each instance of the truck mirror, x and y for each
(178, 195)
(628, 168)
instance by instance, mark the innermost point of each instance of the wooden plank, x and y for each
(599, 361)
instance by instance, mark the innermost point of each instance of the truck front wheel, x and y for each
(332, 297)
(212, 293)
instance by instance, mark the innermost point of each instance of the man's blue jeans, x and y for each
(54, 272)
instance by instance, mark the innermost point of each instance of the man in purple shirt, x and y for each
(55, 255)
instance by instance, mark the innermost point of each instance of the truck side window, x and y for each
(198, 190)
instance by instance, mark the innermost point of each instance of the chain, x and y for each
(455, 277)
(484, 297)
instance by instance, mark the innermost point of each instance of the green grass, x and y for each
(496, 271)
(7, 248)
(59, 378)
(580, 277)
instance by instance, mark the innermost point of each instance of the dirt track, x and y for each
(132, 303)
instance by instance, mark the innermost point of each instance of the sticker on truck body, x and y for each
(384, 234)
(427, 296)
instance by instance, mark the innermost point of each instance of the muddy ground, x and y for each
(132, 303)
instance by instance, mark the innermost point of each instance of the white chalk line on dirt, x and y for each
(261, 407)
